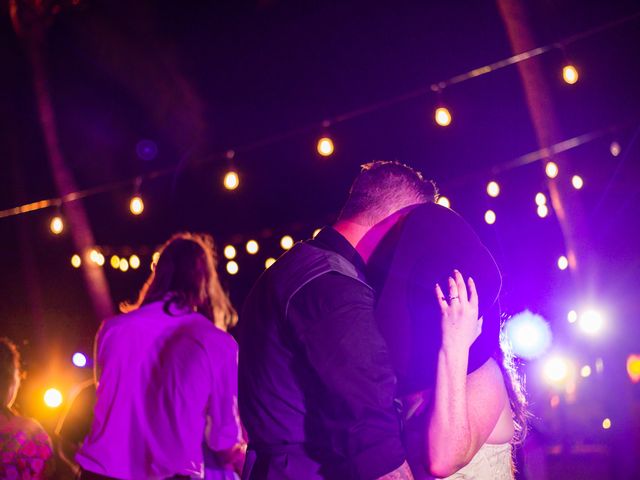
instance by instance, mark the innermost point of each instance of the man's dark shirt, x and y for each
(318, 385)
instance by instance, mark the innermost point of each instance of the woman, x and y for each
(166, 376)
(25, 448)
(470, 422)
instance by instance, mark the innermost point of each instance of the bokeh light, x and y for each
(79, 359)
(315, 233)
(528, 334)
(490, 217)
(556, 370)
(615, 149)
(232, 267)
(551, 169)
(52, 398)
(570, 74)
(563, 262)
(541, 199)
(99, 259)
(124, 265)
(286, 242)
(134, 262)
(269, 261)
(76, 261)
(606, 423)
(572, 316)
(442, 116)
(591, 322)
(136, 205)
(114, 261)
(252, 247)
(229, 252)
(542, 211)
(56, 225)
(585, 371)
(231, 180)
(444, 201)
(325, 146)
(146, 150)
(577, 182)
(633, 367)
(493, 189)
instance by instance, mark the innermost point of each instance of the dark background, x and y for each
(199, 78)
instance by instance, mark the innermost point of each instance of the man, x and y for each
(316, 383)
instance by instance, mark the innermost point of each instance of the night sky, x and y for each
(201, 78)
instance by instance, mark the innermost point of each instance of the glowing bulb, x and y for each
(269, 261)
(570, 74)
(556, 370)
(94, 255)
(551, 169)
(124, 265)
(444, 201)
(286, 242)
(542, 211)
(315, 233)
(229, 252)
(134, 261)
(231, 180)
(577, 182)
(115, 261)
(79, 360)
(443, 116)
(100, 259)
(76, 261)
(606, 423)
(493, 189)
(541, 199)
(252, 247)
(585, 371)
(572, 316)
(325, 146)
(563, 262)
(615, 149)
(52, 398)
(232, 267)
(136, 205)
(591, 322)
(490, 217)
(56, 225)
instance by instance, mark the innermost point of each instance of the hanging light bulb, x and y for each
(286, 242)
(115, 261)
(124, 265)
(56, 225)
(136, 205)
(269, 261)
(551, 169)
(442, 116)
(577, 182)
(134, 261)
(231, 180)
(570, 74)
(493, 189)
(232, 267)
(542, 211)
(76, 261)
(252, 247)
(490, 217)
(229, 252)
(325, 146)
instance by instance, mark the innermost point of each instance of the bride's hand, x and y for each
(460, 323)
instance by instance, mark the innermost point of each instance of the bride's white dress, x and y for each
(491, 462)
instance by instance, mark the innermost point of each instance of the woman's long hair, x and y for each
(185, 277)
(515, 387)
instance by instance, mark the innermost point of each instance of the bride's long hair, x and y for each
(185, 277)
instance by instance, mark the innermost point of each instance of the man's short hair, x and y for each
(382, 188)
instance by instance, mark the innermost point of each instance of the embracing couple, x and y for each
(372, 351)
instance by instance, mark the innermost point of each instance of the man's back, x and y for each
(316, 386)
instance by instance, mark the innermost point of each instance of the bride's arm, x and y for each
(458, 427)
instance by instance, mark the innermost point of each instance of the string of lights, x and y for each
(325, 146)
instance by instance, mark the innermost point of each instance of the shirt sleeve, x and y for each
(223, 429)
(333, 317)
